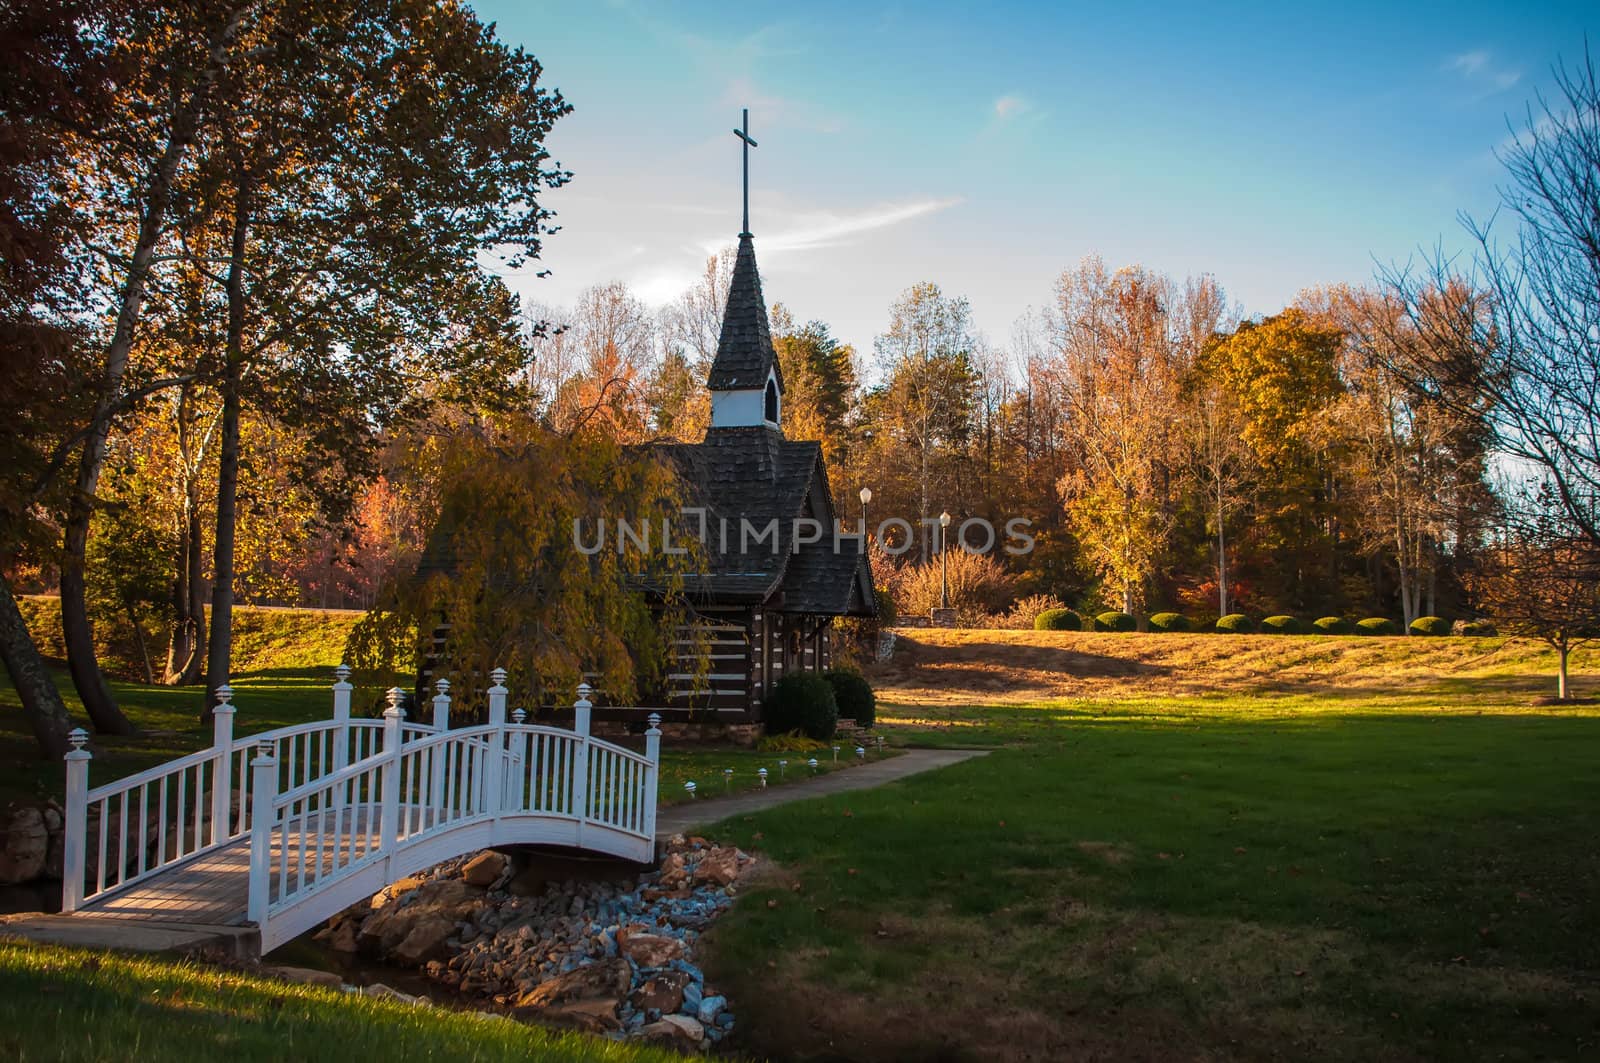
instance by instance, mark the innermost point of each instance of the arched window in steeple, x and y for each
(772, 401)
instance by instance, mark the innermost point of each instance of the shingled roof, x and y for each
(744, 349)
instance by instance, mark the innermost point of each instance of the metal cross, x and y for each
(744, 135)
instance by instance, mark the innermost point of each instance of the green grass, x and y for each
(1411, 870)
(71, 1004)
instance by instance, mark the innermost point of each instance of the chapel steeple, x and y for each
(746, 384)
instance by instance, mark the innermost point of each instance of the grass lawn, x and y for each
(70, 1004)
(1380, 864)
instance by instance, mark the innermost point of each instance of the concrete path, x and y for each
(692, 815)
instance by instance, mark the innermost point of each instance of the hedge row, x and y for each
(1240, 624)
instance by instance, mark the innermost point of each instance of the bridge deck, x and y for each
(213, 888)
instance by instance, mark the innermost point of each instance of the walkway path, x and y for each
(692, 815)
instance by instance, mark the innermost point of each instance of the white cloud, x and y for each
(1479, 69)
(1009, 107)
(820, 229)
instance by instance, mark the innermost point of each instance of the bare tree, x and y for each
(1538, 386)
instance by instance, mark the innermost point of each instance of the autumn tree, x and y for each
(1282, 372)
(525, 568)
(924, 404)
(819, 385)
(1540, 576)
(342, 231)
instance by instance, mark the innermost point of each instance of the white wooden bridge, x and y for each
(285, 828)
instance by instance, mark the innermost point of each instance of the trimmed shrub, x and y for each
(1234, 624)
(804, 702)
(1474, 628)
(1058, 620)
(853, 695)
(1331, 625)
(1114, 621)
(888, 615)
(1282, 625)
(1430, 625)
(1170, 622)
(1376, 625)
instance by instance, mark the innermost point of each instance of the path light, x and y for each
(880, 742)
(763, 774)
(812, 764)
(836, 754)
(688, 788)
(782, 764)
(727, 778)
(861, 752)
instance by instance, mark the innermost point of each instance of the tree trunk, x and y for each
(143, 644)
(41, 701)
(1561, 671)
(1222, 556)
(220, 649)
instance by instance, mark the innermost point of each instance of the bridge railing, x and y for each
(314, 846)
(122, 832)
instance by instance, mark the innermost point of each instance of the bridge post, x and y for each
(75, 832)
(494, 771)
(222, 768)
(441, 723)
(341, 717)
(389, 816)
(580, 755)
(263, 793)
(652, 750)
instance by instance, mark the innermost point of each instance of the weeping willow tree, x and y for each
(513, 578)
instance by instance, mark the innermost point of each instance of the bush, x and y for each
(1281, 625)
(1376, 625)
(979, 584)
(1331, 625)
(1430, 625)
(1024, 612)
(804, 702)
(887, 613)
(1234, 624)
(1474, 628)
(1114, 621)
(1170, 622)
(1058, 620)
(853, 695)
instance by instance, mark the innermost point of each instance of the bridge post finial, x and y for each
(652, 751)
(74, 851)
(582, 709)
(263, 794)
(441, 706)
(497, 697)
(221, 764)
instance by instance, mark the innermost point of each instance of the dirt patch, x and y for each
(1112, 853)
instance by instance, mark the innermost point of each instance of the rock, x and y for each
(303, 976)
(718, 867)
(711, 1007)
(24, 847)
(608, 979)
(650, 950)
(425, 940)
(440, 904)
(673, 1031)
(594, 1015)
(674, 871)
(662, 992)
(484, 869)
(342, 936)
(379, 991)
(691, 998)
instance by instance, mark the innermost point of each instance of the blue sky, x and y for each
(988, 147)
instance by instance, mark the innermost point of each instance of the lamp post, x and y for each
(866, 496)
(944, 563)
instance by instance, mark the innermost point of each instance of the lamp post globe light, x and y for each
(866, 497)
(944, 563)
